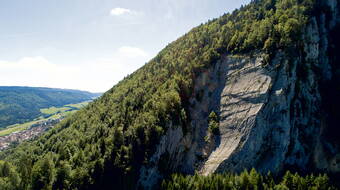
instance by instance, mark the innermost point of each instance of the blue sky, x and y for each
(91, 44)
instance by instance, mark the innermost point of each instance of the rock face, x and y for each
(243, 96)
(272, 116)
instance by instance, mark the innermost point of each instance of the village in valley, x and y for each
(15, 134)
(33, 131)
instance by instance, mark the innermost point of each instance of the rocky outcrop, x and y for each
(272, 116)
(287, 129)
(243, 96)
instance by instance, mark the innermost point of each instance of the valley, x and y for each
(20, 104)
(15, 134)
(31, 132)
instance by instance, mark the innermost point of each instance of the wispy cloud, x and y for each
(132, 52)
(118, 11)
(19, 35)
(95, 75)
(27, 63)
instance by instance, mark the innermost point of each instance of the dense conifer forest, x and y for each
(248, 180)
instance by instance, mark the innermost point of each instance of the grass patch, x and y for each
(54, 110)
(78, 106)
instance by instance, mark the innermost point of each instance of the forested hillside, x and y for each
(247, 180)
(105, 145)
(22, 104)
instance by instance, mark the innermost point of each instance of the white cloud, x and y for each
(26, 63)
(121, 11)
(132, 51)
(95, 75)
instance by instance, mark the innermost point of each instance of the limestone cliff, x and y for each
(273, 115)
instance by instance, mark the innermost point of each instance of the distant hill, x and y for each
(21, 104)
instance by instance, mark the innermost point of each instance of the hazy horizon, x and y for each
(91, 46)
